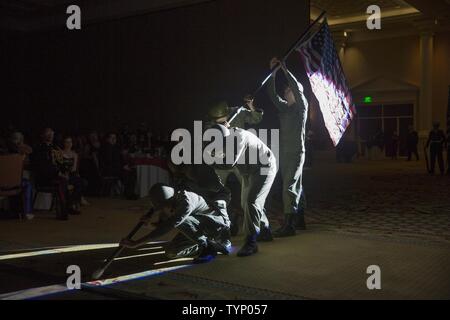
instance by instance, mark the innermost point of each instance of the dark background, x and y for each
(163, 68)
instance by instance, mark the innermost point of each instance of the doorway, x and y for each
(383, 120)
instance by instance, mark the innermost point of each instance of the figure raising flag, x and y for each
(328, 82)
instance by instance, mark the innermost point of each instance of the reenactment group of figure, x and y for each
(196, 205)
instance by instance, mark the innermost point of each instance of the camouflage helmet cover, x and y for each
(219, 110)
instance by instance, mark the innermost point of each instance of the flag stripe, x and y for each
(328, 82)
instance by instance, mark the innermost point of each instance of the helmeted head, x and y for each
(219, 112)
(160, 196)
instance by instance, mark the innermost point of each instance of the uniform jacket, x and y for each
(292, 118)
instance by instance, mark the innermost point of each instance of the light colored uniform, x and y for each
(292, 142)
(255, 184)
(243, 118)
(196, 222)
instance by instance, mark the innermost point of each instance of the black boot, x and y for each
(265, 235)
(250, 247)
(224, 240)
(288, 228)
(210, 250)
(217, 247)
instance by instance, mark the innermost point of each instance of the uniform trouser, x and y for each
(255, 189)
(193, 235)
(77, 184)
(224, 174)
(436, 154)
(291, 166)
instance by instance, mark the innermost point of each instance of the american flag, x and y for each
(328, 83)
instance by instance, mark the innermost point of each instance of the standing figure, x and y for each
(292, 111)
(48, 170)
(16, 145)
(436, 141)
(70, 167)
(411, 143)
(394, 145)
(112, 164)
(448, 149)
(241, 117)
(255, 165)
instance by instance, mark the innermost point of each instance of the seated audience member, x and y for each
(125, 135)
(70, 169)
(110, 157)
(133, 146)
(112, 164)
(16, 145)
(47, 163)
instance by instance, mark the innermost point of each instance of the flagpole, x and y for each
(291, 49)
(295, 45)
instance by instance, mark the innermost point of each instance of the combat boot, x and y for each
(209, 251)
(224, 239)
(288, 228)
(265, 235)
(250, 247)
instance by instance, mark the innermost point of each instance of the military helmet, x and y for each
(219, 110)
(160, 194)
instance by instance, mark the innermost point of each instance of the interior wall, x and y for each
(441, 76)
(399, 58)
(163, 68)
(395, 57)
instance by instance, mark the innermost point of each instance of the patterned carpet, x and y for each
(390, 197)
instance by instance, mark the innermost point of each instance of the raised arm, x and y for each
(296, 87)
(253, 115)
(278, 102)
